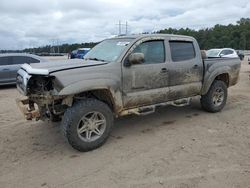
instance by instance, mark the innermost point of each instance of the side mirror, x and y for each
(221, 55)
(136, 58)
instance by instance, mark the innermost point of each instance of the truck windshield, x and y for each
(108, 50)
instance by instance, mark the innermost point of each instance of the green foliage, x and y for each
(64, 48)
(220, 36)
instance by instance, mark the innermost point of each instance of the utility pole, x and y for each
(120, 27)
(58, 50)
(126, 28)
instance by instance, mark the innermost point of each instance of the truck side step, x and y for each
(151, 108)
(146, 111)
(181, 102)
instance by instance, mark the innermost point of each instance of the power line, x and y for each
(126, 28)
(120, 27)
(120, 24)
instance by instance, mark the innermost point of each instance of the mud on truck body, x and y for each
(121, 76)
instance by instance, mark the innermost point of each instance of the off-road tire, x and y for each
(207, 102)
(72, 117)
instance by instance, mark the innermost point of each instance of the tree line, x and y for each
(220, 36)
(64, 48)
(232, 36)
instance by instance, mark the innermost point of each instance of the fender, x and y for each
(96, 84)
(210, 76)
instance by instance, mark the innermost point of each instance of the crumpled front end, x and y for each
(41, 100)
(28, 109)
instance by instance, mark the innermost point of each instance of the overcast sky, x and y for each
(32, 23)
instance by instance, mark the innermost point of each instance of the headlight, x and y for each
(22, 81)
(40, 84)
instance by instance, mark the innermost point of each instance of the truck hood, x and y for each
(49, 67)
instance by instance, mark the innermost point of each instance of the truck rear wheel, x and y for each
(87, 124)
(215, 99)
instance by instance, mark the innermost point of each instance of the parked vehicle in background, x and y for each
(82, 52)
(11, 63)
(241, 54)
(224, 52)
(79, 53)
(73, 54)
(122, 76)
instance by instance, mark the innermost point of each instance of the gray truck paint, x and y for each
(137, 85)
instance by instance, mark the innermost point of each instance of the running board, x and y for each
(145, 110)
(182, 102)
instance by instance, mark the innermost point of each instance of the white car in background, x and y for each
(223, 52)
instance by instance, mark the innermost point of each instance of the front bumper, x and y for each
(28, 109)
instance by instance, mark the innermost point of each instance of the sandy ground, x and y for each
(174, 147)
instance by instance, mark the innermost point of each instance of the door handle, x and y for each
(195, 66)
(164, 70)
(6, 69)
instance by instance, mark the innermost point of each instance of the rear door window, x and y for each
(228, 52)
(32, 60)
(182, 50)
(18, 60)
(23, 59)
(5, 61)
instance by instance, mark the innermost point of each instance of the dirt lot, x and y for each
(174, 147)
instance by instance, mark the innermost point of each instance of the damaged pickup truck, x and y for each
(121, 76)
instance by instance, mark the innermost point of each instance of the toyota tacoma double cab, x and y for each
(121, 76)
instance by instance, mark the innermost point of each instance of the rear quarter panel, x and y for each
(217, 66)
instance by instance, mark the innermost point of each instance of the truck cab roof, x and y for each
(140, 36)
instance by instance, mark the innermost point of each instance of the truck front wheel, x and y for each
(215, 99)
(87, 124)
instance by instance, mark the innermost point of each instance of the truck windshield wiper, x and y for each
(95, 59)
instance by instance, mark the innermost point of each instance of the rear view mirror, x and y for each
(136, 58)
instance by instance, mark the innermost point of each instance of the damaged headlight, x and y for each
(22, 81)
(40, 84)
